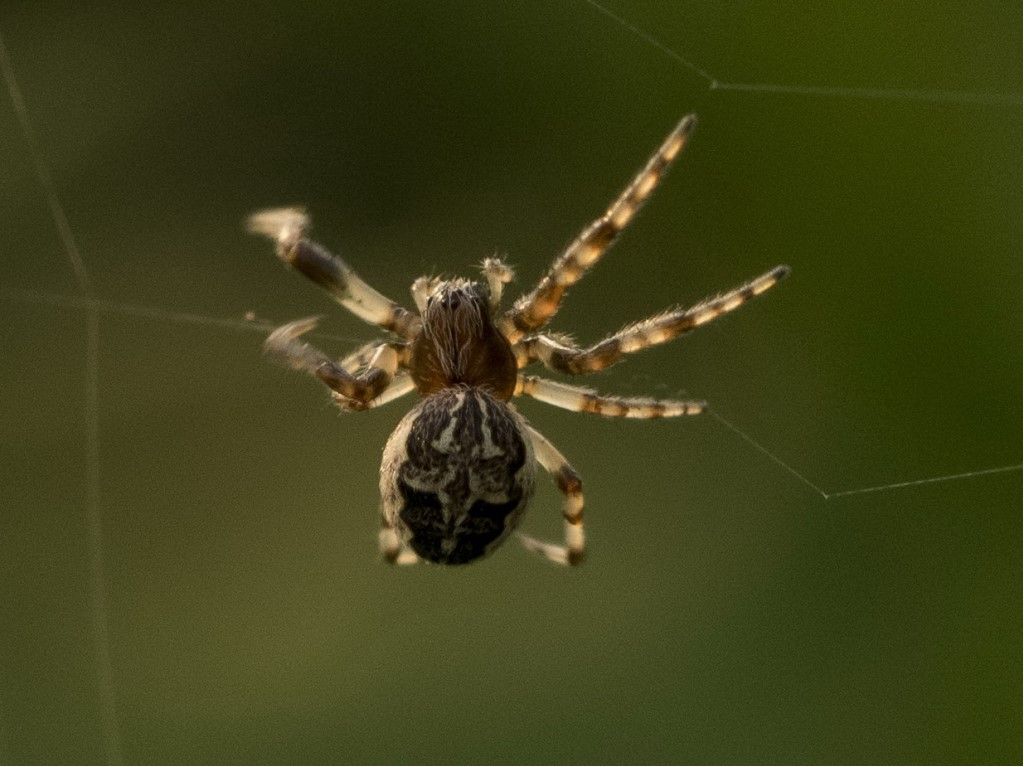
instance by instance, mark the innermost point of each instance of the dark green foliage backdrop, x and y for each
(727, 611)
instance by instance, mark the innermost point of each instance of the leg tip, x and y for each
(285, 226)
(674, 408)
(280, 340)
(497, 267)
(557, 554)
(295, 329)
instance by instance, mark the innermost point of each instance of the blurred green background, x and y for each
(727, 612)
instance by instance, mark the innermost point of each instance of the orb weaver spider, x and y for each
(459, 469)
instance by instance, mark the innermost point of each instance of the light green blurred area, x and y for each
(727, 612)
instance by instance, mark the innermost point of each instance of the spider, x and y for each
(459, 469)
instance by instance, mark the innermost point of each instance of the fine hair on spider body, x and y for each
(459, 469)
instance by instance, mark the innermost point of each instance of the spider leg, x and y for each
(535, 309)
(583, 400)
(498, 274)
(357, 389)
(571, 487)
(640, 335)
(361, 357)
(287, 227)
(400, 385)
(421, 289)
(392, 548)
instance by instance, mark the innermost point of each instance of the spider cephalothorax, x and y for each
(458, 470)
(458, 343)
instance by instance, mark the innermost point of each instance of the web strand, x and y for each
(928, 481)
(797, 89)
(90, 412)
(156, 313)
(653, 41)
(892, 94)
(760, 448)
(827, 496)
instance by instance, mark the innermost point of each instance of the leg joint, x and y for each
(568, 481)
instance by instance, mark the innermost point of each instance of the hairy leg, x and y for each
(498, 274)
(571, 487)
(583, 400)
(535, 309)
(400, 385)
(287, 227)
(566, 358)
(360, 389)
(421, 289)
(392, 548)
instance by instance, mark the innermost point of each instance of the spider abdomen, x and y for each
(457, 474)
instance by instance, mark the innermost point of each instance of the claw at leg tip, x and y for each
(288, 332)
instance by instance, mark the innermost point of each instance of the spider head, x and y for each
(455, 316)
(456, 300)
